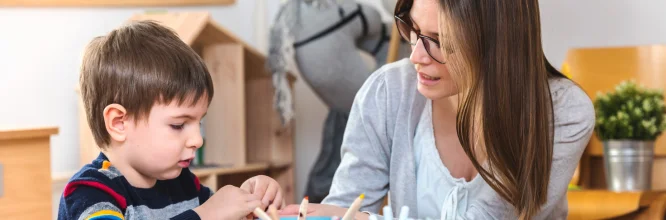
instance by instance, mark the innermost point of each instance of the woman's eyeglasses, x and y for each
(432, 46)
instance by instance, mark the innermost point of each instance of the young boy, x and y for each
(145, 92)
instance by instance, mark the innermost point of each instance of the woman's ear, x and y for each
(115, 119)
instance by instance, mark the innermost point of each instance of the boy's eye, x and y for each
(178, 126)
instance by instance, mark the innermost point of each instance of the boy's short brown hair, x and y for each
(138, 65)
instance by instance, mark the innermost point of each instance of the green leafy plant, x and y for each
(630, 112)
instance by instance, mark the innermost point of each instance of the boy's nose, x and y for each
(196, 141)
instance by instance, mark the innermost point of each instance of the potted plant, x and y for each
(629, 120)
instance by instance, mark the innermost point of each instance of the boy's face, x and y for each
(164, 143)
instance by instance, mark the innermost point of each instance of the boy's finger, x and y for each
(248, 185)
(251, 205)
(252, 197)
(278, 201)
(270, 194)
(260, 188)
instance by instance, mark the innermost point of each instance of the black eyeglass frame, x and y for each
(425, 39)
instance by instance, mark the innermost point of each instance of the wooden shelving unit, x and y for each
(25, 167)
(241, 128)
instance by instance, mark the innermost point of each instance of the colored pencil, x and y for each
(261, 214)
(303, 210)
(351, 212)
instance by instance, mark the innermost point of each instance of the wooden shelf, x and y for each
(26, 133)
(281, 165)
(201, 172)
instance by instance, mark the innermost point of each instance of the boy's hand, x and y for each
(229, 202)
(267, 189)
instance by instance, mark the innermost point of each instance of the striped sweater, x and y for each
(100, 192)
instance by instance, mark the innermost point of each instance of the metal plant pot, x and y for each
(628, 165)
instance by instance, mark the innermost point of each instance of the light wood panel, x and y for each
(26, 133)
(26, 161)
(394, 45)
(267, 140)
(596, 205)
(260, 137)
(110, 3)
(225, 121)
(600, 204)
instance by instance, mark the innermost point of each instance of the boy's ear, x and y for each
(115, 117)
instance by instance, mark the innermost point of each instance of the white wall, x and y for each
(600, 23)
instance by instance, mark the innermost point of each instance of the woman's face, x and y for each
(434, 80)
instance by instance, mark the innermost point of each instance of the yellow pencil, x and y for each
(351, 212)
(273, 212)
(303, 210)
(261, 214)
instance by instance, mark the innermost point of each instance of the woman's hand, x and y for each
(321, 210)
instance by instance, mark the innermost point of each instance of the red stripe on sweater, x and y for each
(69, 189)
(197, 183)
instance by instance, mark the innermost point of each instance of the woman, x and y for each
(479, 127)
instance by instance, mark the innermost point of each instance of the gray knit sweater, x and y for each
(377, 155)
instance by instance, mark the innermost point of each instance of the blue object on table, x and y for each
(308, 218)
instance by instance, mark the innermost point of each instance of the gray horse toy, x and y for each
(321, 39)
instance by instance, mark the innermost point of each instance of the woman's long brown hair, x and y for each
(505, 113)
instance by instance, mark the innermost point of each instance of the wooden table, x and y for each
(602, 204)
